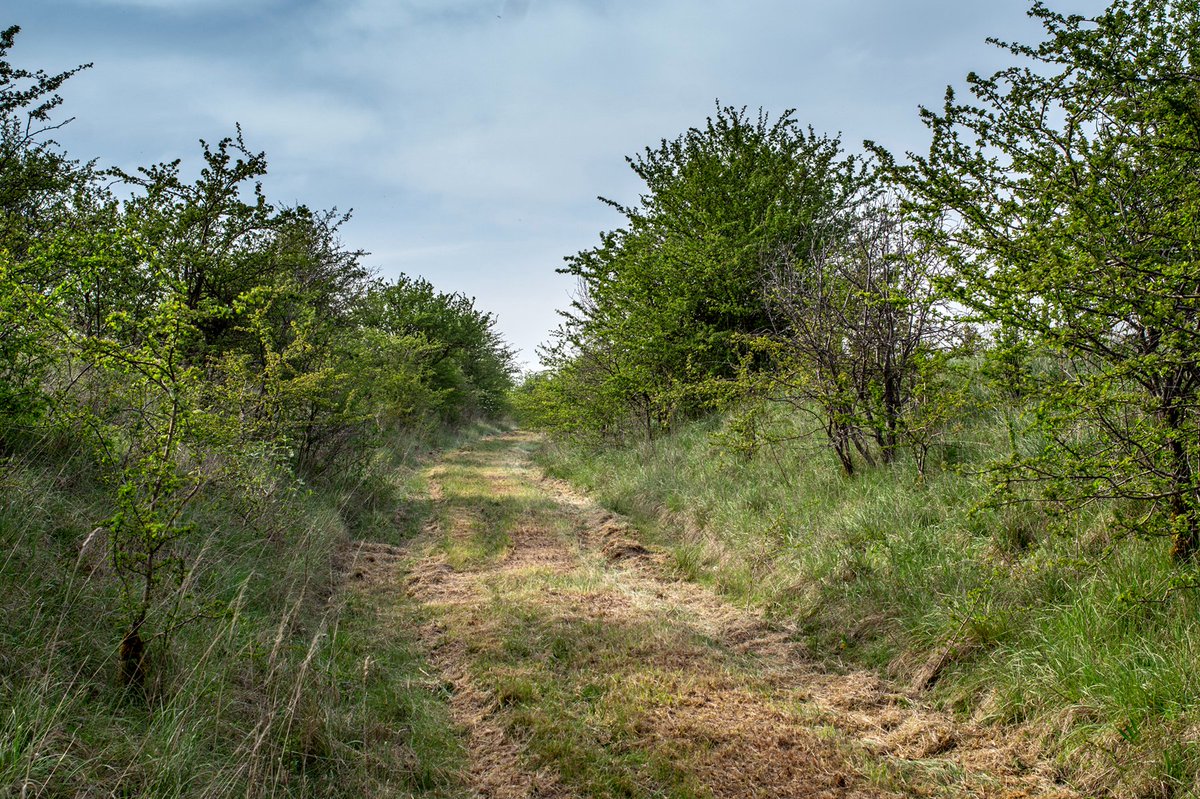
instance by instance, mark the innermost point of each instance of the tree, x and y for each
(146, 438)
(860, 325)
(38, 187)
(465, 362)
(666, 301)
(36, 179)
(208, 233)
(1073, 181)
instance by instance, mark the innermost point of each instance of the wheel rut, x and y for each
(580, 666)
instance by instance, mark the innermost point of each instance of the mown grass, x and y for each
(609, 685)
(575, 688)
(482, 506)
(568, 685)
(270, 681)
(1004, 613)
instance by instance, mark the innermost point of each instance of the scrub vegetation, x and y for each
(939, 410)
(899, 456)
(208, 407)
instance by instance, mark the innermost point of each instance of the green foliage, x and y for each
(27, 327)
(204, 236)
(37, 181)
(141, 427)
(861, 331)
(1073, 186)
(760, 261)
(468, 367)
(665, 301)
(38, 187)
(1025, 617)
(202, 397)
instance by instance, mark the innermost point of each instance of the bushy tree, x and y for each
(37, 180)
(1073, 181)
(147, 439)
(860, 328)
(666, 302)
(469, 369)
(207, 235)
(39, 185)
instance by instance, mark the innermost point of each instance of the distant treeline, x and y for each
(1049, 242)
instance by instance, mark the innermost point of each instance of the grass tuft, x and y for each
(274, 682)
(1002, 613)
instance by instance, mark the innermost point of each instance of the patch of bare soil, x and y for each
(776, 725)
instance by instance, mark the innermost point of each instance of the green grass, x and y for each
(568, 686)
(481, 516)
(1046, 621)
(573, 689)
(272, 682)
(394, 714)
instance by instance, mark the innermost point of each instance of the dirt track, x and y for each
(581, 667)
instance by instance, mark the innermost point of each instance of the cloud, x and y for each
(472, 136)
(515, 10)
(184, 6)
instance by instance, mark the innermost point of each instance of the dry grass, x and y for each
(582, 666)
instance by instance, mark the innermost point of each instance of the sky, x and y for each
(471, 138)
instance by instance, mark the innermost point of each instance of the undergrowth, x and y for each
(276, 683)
(1004, 613)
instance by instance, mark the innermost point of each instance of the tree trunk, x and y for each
(1184, 509)
(1187, 538)
(839, 438)
(131, 657)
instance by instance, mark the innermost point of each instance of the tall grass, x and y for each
(273, 683)
(1004, 613)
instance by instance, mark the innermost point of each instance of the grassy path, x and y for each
(580, 666)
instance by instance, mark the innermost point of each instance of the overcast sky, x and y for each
(471, 137)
